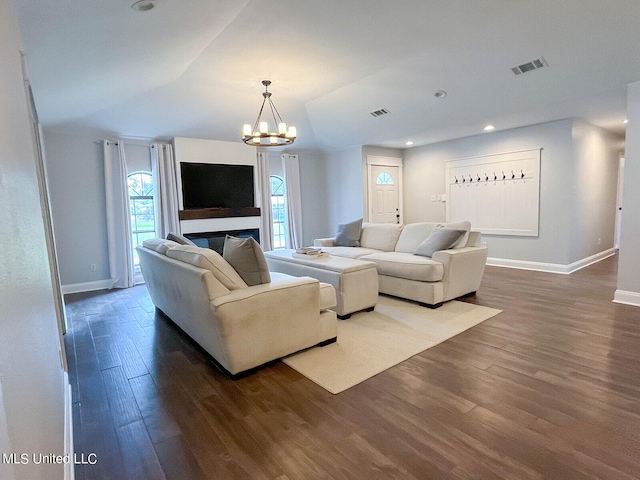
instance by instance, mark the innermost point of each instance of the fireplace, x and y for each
(215, 240)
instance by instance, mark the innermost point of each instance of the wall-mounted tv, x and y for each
(216, 185)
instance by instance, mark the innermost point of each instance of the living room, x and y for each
(578, 186)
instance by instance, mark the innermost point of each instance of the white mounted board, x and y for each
(499, 194)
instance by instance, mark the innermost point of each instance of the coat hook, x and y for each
(456, 179)
(478, 177)
(521, 174)
(513, 175)
(495, 177)
(463, 179)
(470, 178)
(486, 177)
(503, 175)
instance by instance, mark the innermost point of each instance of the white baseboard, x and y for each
(69, 471)
(628, 298)
(86, 286)
(551, 267)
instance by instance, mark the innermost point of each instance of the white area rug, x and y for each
(370, 343)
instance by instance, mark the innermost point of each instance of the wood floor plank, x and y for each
(548, 389)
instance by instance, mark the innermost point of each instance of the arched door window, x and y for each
(143, 220)
(384, 179)
(278, 211)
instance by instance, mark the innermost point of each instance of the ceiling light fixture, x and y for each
(143, 5)
(259, 135)
(409, 143)
(625, 121)
(488, 128)
(440, 94)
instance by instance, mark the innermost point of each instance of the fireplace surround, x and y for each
(215, 240)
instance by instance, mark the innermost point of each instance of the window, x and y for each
(143, 222)
(278, 212)
(384, 179)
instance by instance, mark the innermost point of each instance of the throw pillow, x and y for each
(247, 258)
(463, 225)
(210, 260)
(438, 239)
(159, 245)
(349, 234)
(179, 239)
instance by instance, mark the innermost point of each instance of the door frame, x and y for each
(383, 162)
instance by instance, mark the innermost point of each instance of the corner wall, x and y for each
(628, 290)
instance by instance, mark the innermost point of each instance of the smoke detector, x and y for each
(379, 112)
(530, 66)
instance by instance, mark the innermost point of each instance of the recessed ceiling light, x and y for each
(440, 94)
(625, 121)
(488, 128)
(143, 5)
(409, 143)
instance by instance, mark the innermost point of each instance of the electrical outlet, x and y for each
(93, 267)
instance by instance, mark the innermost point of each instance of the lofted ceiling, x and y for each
(193, 67)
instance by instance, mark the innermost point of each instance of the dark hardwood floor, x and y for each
(550, 388)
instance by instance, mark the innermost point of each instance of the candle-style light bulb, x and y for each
(292, 132)
(264, 128)
(282, 128)
(246, 130)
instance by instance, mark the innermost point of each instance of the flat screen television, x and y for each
(215, 185)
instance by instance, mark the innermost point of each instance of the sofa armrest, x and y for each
(463, 270)
(324, 242)
(263, 322)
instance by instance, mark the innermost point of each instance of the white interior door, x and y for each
(384, 185)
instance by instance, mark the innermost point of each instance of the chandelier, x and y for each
(259, 135)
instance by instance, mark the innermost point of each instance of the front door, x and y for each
(385, 194)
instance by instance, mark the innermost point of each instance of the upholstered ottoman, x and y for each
(355, 281)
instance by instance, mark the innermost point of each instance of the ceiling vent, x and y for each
(379, 112)
(530, 66)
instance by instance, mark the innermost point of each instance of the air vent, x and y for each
(379, 112)
(530, 66)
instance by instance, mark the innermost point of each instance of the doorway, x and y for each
(384, 182)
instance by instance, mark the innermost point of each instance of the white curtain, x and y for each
(121, 268)
(264, 196)
(165, 185)
(293, 201)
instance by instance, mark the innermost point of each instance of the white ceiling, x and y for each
(193, 67)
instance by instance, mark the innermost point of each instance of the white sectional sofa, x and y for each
(446, 275)
(242, 327)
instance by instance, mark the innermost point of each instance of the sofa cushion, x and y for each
(406, 265)
(380, 236)
(210, 260)
(182, 240)
(246, 257)
(413, 234)
(349, 234)
(159, 245)
(349, 252)
(439, 239)
(463, 225)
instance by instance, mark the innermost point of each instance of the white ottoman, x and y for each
(355, 281)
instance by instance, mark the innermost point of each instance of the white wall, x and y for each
(345, 193)
(32, 378)
(595, 179)
(75, 175)
(628, 290)
(585, 162)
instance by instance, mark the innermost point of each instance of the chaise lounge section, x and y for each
(405, 271)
